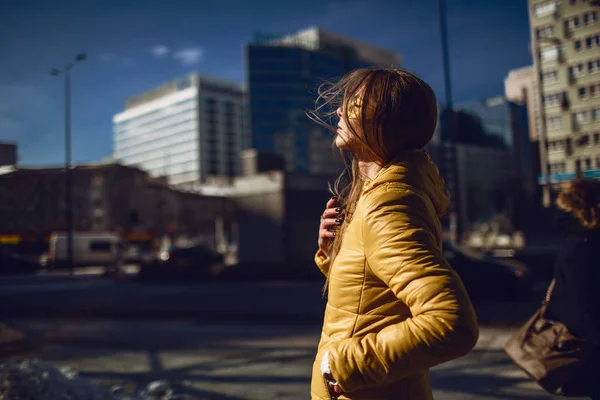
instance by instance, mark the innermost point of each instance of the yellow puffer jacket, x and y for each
(395, 307)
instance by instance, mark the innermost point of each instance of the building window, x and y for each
(582, 92)
(552, 99)
(550, 76)
(578, 45)
(592, 41)
(596, 114)
(595, 90)
(554, 122)
(555, 145)
(574, 22)
(549, 53)
(576, 70)
(544, 9)
(597, 161)
(581, 117)
(557, 168)
(583, 141)
(229, 106)
(596, 138)
(545, 31)
(590, 17)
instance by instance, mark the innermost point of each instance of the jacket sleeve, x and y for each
(402, 250)
(578, 267)
(322, 260)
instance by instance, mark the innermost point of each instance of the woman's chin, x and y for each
(341, 143)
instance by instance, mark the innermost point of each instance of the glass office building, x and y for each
(283, 76)
(504, 123)
(187, 130)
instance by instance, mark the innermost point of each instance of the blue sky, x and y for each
(135, 45)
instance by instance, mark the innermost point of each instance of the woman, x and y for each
(395, 307)
(575, 299)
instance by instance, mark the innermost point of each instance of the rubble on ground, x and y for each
(36, 380)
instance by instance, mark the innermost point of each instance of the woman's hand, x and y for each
(330, 220)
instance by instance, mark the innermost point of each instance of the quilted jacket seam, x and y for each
(362, 291)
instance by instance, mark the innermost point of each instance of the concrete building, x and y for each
(503, 123)
(187, 130)
(106, 197)
(283, 75)
(493, 165)
(485, 175)
(8, 154)
(277, 214)
(520, 87)
(565, 38)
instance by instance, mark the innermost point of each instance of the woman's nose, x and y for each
(339, 112)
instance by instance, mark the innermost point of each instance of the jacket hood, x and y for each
(415, 169)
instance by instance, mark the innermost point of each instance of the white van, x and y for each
(89, 249)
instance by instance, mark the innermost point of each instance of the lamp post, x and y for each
(543, 137)
(449, 126)
(66, 72)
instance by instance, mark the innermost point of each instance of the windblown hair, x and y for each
(396, 110)
(581, 198)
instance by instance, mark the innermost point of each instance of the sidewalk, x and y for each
(236, 361)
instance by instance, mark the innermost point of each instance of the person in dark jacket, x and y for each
(576, 297)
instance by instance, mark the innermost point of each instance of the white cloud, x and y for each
(189, 56)
(160, 51)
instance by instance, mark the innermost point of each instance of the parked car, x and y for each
(89, 249)
(487, 277)
(13, 264)
(177, 261)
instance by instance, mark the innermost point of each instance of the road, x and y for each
(231, 361)
(97, 296)
(244, 340)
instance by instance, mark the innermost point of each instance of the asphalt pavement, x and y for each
(223, 340)
(97, 296)
(234, 361)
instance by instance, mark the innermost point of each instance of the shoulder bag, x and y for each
(547, 351)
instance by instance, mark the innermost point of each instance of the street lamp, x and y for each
(66, 72)
(449, 145)
(543, 138)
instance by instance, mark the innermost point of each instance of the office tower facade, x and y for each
(504, 124)
(565, 38)
(283, 75)
(520, 88)
(188, 130)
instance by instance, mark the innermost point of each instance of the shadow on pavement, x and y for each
(495, 378)
(201, 362)
(240, 361)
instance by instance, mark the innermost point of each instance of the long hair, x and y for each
(396, 111)
(581, 198)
